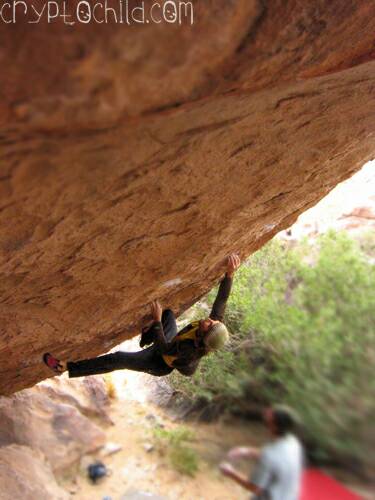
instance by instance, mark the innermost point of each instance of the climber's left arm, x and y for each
(218, 309)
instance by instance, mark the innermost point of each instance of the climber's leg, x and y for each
(147, 361)
(168, 320)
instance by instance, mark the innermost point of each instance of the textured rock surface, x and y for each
(133, 159)
(25, 474)
(53, 426)
(88, 395)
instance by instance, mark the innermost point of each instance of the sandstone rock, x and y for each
(58, 430)
(148, 447)
(360, 218)
(141, 495)
(362, 213)
(159, 392)
(110, 448)
(135, 158)
(87, 394)
(24, 473)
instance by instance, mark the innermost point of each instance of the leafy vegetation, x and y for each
(302, 319)
(174, 443)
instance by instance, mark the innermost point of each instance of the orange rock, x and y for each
(135, 158)
(50, 424)
(24, 473)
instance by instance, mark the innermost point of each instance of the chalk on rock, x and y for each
(141, 495)
(110, 448)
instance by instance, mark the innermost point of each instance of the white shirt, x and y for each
(279, 470)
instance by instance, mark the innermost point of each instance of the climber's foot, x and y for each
(53, 363)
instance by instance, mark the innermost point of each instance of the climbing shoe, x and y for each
(52, 363)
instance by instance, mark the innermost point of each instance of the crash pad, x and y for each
(316, 485)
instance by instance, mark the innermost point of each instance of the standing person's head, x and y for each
(280, 420)
(215, 334)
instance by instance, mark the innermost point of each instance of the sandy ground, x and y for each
(133, 468)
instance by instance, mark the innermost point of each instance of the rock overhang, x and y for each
(124, 182)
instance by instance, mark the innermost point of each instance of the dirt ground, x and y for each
(137, 468)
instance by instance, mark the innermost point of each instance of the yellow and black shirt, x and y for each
(187, 348)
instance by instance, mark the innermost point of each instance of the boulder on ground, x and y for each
(58, 430)
(25, 474)
(88, 394)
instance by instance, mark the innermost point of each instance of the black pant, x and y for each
(149, 360)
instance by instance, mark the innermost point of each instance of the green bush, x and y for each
(174, 443)
(303, 329)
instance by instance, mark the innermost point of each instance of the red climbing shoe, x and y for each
(52, 363)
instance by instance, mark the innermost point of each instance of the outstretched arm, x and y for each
(244, 452)
(228, 470)
(218, 309)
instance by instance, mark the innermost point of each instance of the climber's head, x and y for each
(281, 420)
(215, 334)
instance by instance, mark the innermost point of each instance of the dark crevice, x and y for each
(254, 27)
(295, 96)
(186, 206)
(160, 109)
(132, 241)
(304, 124)
(241, 148)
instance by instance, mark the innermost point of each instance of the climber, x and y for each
(170, 349)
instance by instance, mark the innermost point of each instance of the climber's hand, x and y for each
(156, 310)
(233, 263)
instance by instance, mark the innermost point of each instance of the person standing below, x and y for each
(279, 464)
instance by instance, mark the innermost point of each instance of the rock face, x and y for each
(51, 420)
(133, 159)
(25, 474)
(359, 218)
(88, 395)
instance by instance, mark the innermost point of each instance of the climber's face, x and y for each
(269, 420)
(205, 325)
